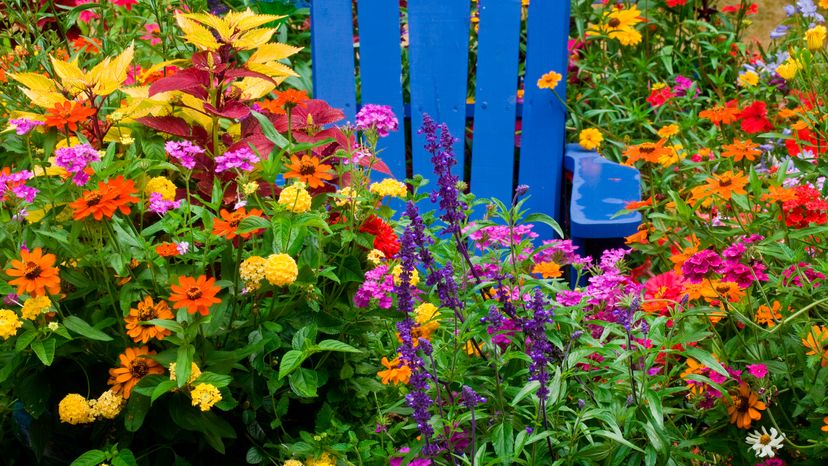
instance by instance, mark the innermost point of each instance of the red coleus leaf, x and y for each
(175, 126)
(233, 109)
(191, 81)
(243, 72)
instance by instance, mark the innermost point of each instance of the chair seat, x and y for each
(600, 188)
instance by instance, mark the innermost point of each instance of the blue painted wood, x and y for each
(332, 49)
(438, 69)
(600, 189)
(380, 68)
(493, 142)
(544, 117)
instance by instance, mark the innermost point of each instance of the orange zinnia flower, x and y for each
(744, 407)
(817, 343)
(144, 311)
(395, 372)
(741, 150)
(167, 250)
(548, 269)
(35, 273)
(110, 196)
(68, 115)
(725, 185)
(230, 225)
(779, 194)
(196, 295)
(648, 152)
(309, 171)
(767, 315)
(134, 366)
(719, 114)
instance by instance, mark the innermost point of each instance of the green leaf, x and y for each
(503, 442)
(124, 458)
(135, 412)
(528, 389)
(90, 458)
(616, 436)
(290, 362)
(252, 223)
(334, 345)
(161, 389)
(269, 131)
(24, 339)
(304, 383)
(167, 324)
(538, 217)
(254, 456)
(183, 364)
(216, 380)
(707, 359)
(79, 326)
(45, 350)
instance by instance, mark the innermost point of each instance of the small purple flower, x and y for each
(22, 126)
(11, 299)
(380, 117)
(75, 159)
(161, 206)
(809, 10)
(779, 32)
(183, 152)
(242, 158)
(790, 10)
(15, 182)
(182, 247)
(470, 398)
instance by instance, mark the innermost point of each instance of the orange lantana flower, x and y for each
(648, 152)
(68, 115)
(721, 114)
(195, 294)
(134, 366)
(741, 150)
(817, 343)
(744, 407)
(230, 225)
(35, 273)
(110, 196)
(395, 372)
(147, 310)
(309, 171)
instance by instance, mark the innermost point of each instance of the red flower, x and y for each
(755, 118)
(661, 292)
(752, 9)
(384, 238)
(807, 207)
(659, 97)
(805, 141)
(673, 3)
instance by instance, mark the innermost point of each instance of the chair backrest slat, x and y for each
(438, 70)
(544, 117)
(332, 45)
(380, 66)
(493, 142)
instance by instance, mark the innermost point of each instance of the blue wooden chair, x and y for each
(438, 70)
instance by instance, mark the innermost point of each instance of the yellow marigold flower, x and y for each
(324, 460)
(348, 196)
(293, 463)
(413, 279)
(250, 188)
(748, 79)
(161, 185)
(548, 269)
(788, 69)
(33, 307)
(75, 409)
(550, 80)
(375, 256)
(252, 271)
(205, 395)
(667, 131)
(815, 37)
(426, 317)
(281, 269)
(389, 187)
(590, 138)
(195, 373)
(108, 405)
(9, 323)
(295, 198)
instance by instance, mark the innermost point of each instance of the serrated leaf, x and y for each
(335, 345)
(290, 362)
(253, 223)
(304, 383)
(90, 458)
(45, 350)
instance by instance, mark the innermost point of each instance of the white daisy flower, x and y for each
(765, 444)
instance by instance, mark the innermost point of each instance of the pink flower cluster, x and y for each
(242, 158)
(16, 183)
(183, 152)
(379, 117)
(500, 235)
(160, 206)
(22, 126)
(729, 265)
(794, 274)
(75, 159)
(561, 252)
(379, 286)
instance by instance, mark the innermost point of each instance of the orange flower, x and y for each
(741, 150)
(635, 205)
(825, 427)
(309, 171)
(648, 152)
(725, 185)
(395, 372)
(35, 273)
(639, 237)
(779, 194)
(548, 269)
(167, 250)
(769, 316)
(229, 226)
(719, 114)
(110, 196)
(134, 366)
(68, 115)
(680, 256)
(817, 343)
(744, 407)
(290, 98)
(196, 295)
(694, 367)
(144, 311)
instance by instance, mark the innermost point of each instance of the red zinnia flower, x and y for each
(384, 238)
(754, 118)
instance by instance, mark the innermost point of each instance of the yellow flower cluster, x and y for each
(348, 195)
(205, 395)
(375, 256)
(9, 323)
(619, 24)
(295, 198)
(413, 280)
(590, 139)
(33, 307)
(161, 185)
(195, 373)
(250, 188)
(293, 463)
(108, 405)
(389, 187)
(280, 270)
(252, 271)
(667, 131)
(324, 460)
(426, 317)
(75, 409)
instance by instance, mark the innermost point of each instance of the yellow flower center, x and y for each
(765, 439)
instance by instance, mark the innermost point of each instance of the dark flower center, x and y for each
(308, 169)
(647, 149)
(194, 293)
(139, 369)
(32, 270)
(93, 198)
(146, 312)
(725, 182)
(614, 22)
(742, 404)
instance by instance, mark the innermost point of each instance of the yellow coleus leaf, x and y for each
(197, 34)
(44, 99)
(254, 88)
(34, 81)
(72, 78)
(272, 69)
(222, 27)
(110, 73)
(246, 20)
(252, 39)
(272, 52)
